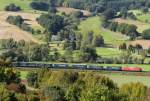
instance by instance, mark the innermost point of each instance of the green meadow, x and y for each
(94, 24)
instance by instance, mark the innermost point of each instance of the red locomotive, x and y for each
(135, 69)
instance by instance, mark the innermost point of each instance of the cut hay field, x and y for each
(94, 24)
(11, 31)
(145, 43)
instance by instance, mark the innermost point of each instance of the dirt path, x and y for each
(11, 31)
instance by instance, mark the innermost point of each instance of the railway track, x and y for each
(126, 73)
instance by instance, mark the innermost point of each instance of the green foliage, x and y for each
(19, 21)
(53, 23)
(134, 91)
(54, 93)
(146, 34)
(127, 29)
(40, 53)
(78, 14)
(16, 20)
(32, 79)
(12, 7)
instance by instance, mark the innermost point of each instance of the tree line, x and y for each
(95, 6)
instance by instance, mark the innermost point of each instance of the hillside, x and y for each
(11, 31)
(94, 24)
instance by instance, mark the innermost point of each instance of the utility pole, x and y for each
(29, 52)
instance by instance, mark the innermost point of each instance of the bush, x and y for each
(12, 7)
(39, 6)
(146, 34)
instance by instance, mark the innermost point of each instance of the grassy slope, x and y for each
(93, 23)
(111, 38)
(142, 18)
(123, 79)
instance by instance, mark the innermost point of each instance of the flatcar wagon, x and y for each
(114, 68)
(92, 67)
(79, 66)
(60, 66)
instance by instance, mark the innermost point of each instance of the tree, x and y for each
(54, 93)
(123, 46)
(138, 48)
(131, 88)
(12, 7)
(113, 26)
(145, 9)
(131, 48)
(98, 41)
(12, 76)
(123, 12)
(40, 53)
(52, 8)
(146, 34)
(87, 40)
(109, 14)
(53, 23)
(15, 20)
(87, 53)
(78, 14)
(32, 78)
(100, 93)
(39, 6)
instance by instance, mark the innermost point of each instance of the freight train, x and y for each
(75, 66)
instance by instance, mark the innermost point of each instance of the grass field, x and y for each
(94, 24)
(123, 79)
(107, 52)
(144, 17)
(11, 31)
(23, 74)
(24, 4)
